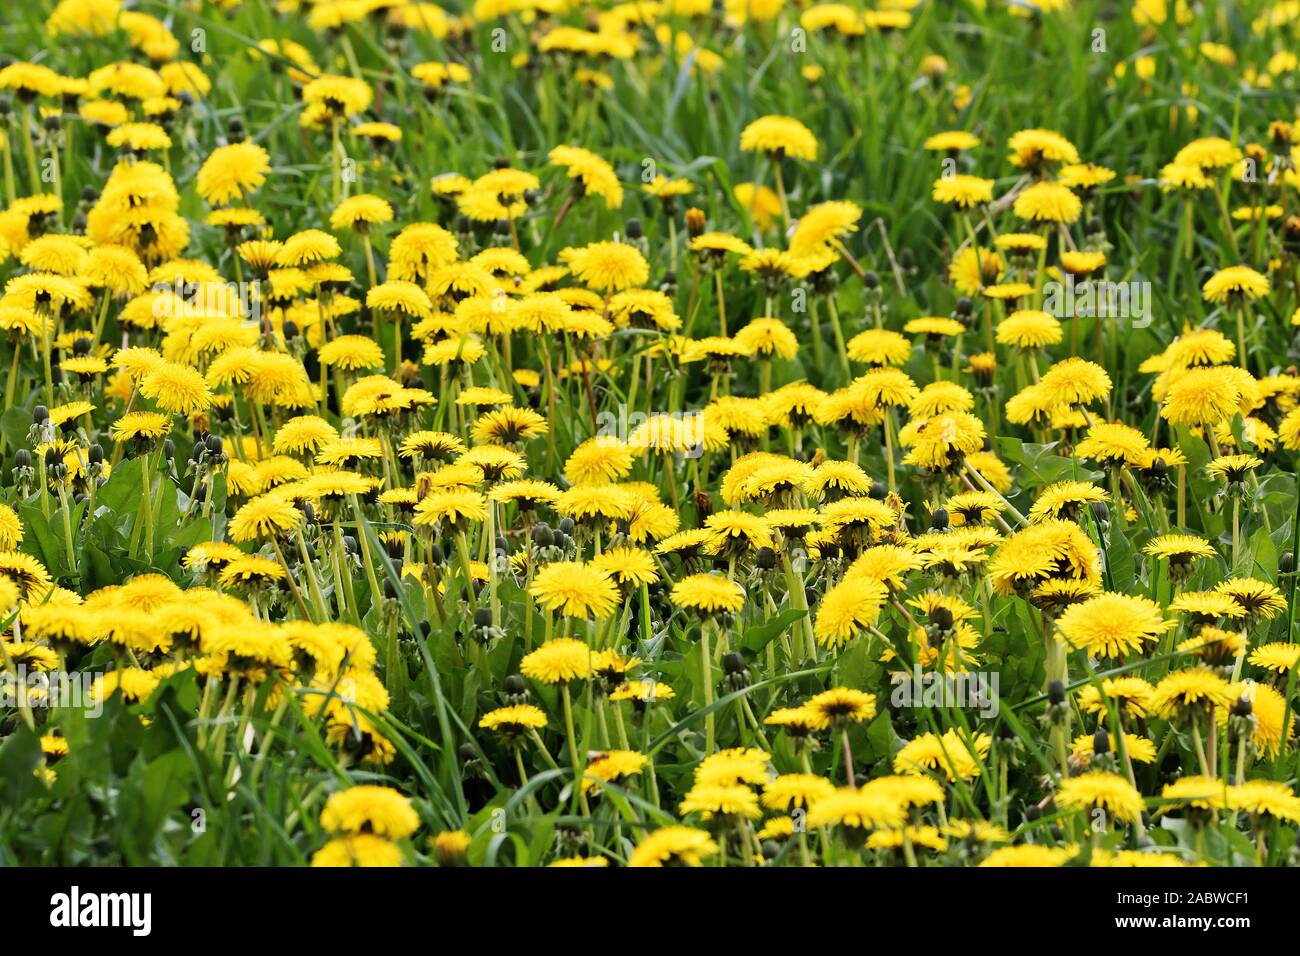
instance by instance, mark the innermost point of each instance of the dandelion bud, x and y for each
(939, 519)
(40, 414)
(765, 559)
(1286, 563)
(1243, 707)
(1100, 511)
(1291, 233)
(23, 458)
(1100, 742)
(870, 281)
(933, 67)
(566, 526)
(634, 229)
(1283, 135)
(1056, 692)
(95, 454)
(695, 222)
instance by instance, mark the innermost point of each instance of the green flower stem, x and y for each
(340, 560)
(722, 303)
(264, 748)
(493, 603)
(146, 505)
(376, 593)
(541, 749)
(29, 149)
(573, 748)
(838, 329)
(706, 674)
(293, 587)
(799, 600)
(467, 574)
(8, 153)
(66, 511)
(318, 597)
